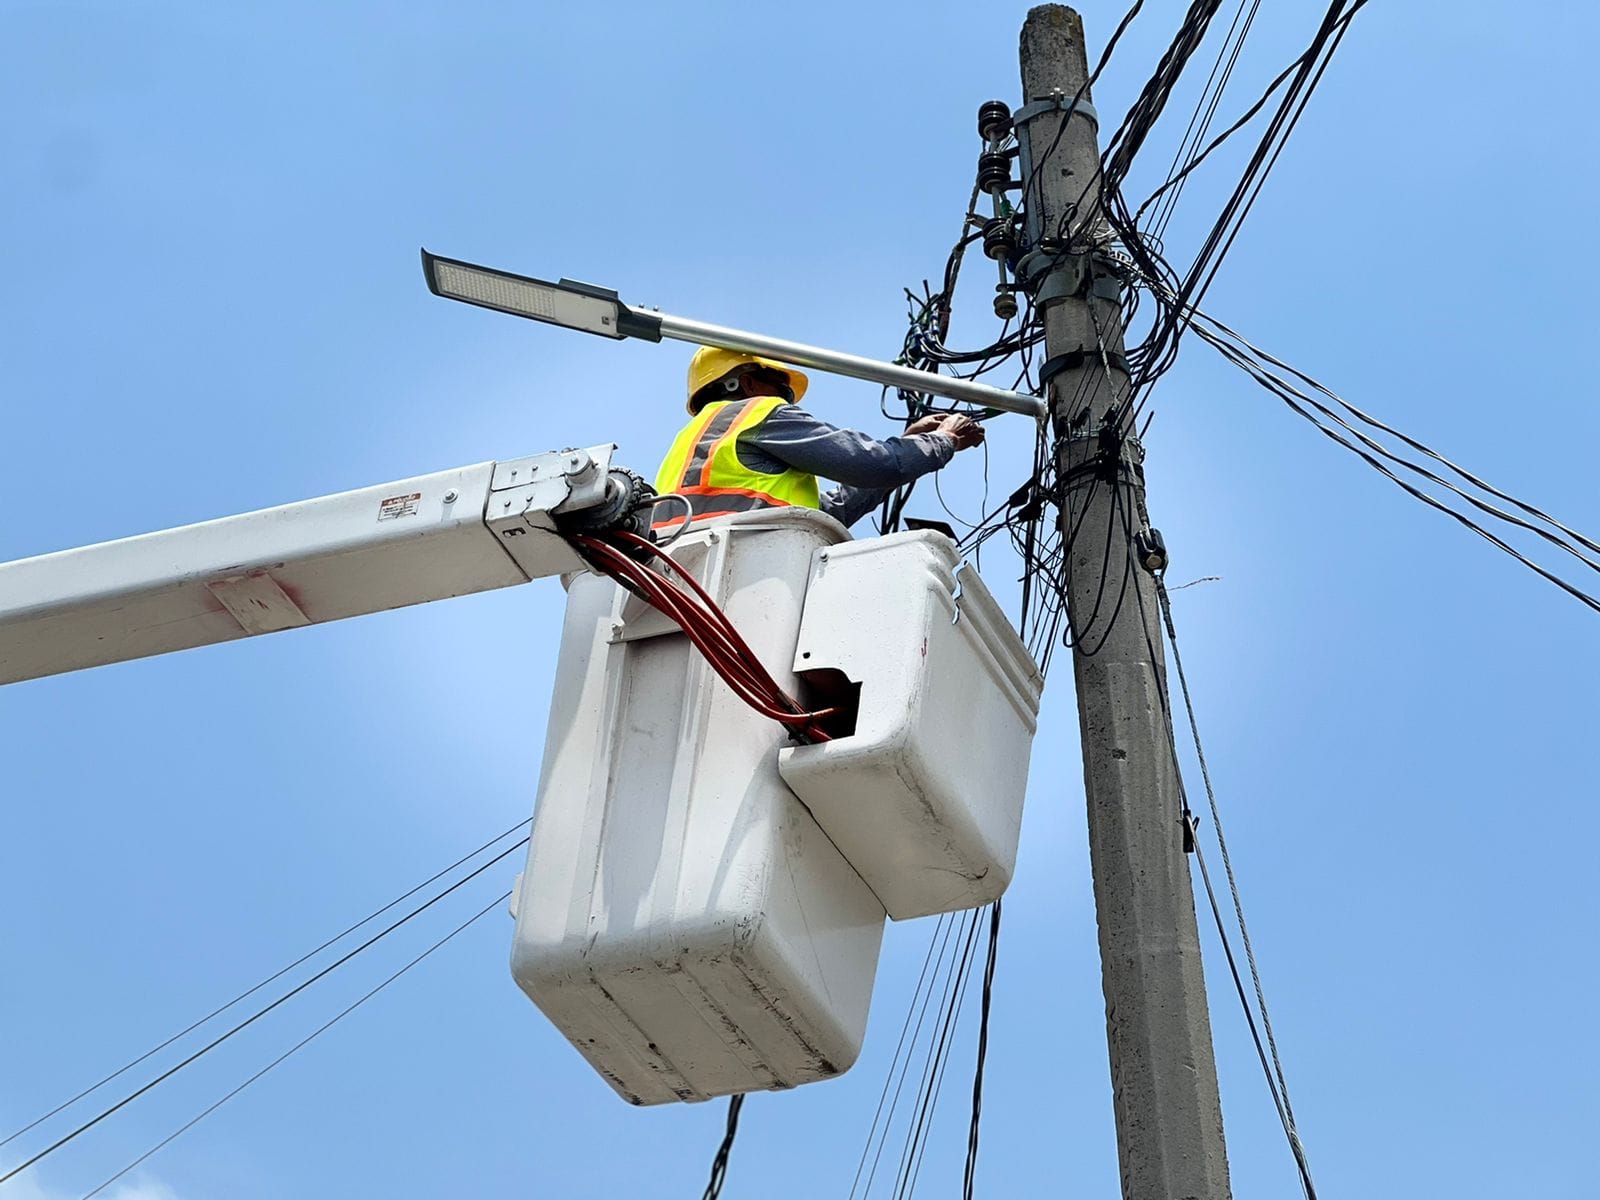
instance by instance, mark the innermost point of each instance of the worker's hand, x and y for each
(928, 424)
(964, 431)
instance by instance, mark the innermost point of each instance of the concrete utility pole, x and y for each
(1163, 1071)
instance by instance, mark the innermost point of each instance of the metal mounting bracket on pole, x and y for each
(1052, 275)
(1056, 103)
(1032, 111)
(597, 310)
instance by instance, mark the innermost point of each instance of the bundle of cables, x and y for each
(627, 558)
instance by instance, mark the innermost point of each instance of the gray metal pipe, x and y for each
(837, 363)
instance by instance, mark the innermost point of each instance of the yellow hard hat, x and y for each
(710, 363)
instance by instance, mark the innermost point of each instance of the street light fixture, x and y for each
(568, 303)
(591, 309)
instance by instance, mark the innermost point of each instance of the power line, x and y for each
(211, 1108)
(1280, 1092)
(250, 991)
(253, 1018)
(920, 1000)
(1265, 370)
(894, 1061)
(934, 1067)
(1200, 125)
(970, 1174)
(1153, 354)
(719, 1164)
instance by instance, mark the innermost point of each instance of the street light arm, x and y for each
(597, 310)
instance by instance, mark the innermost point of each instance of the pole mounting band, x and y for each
(1107, 287)
(1051, 275)
(1082, 356)
(1057, 103)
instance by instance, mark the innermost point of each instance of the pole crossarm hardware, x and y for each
(597, 310)
(449, 533)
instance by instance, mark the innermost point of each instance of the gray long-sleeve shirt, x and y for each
(866, 469)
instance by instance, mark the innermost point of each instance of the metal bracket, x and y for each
(526, 493)
(1038, 108)
(258, 602)
(1082, 356)
(560, 479)
(1055, 103)
(1051, 275)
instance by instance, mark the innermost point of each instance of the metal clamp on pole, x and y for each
(1077, 358)
(1031, 111)
(1055, 103)
(1050, 275)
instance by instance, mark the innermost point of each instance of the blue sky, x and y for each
(211, 302)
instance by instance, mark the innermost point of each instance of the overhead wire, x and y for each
(895, 1059)
(1336, 425)
(321, 1029)
(921, 998)
(934, 1066)
(1152, 354)
(252, 990)
(970, 1171)
(1277, 1083)
(1178, 179)
(1205, 112)
(1277, 1079)
(85, 1126)
(719, 1164)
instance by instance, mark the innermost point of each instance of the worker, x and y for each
(748, 445)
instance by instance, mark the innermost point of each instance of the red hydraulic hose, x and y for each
(712, 640)
(734, 664)
(711, 634)
(708, 628)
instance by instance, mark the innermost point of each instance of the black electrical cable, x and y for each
(888, 1078)
(321, 1029)
(1333, 32)
(1277, 1082)
(1295, 1147)
(1280, 1092)
(719, 1164)
(1130, 136)
(970, 1174)
(250, 991)
(253, 1018)
(1243, 120)
(1421, 447)
(947, 927)
(933, 1065)
(1373, 455)
(1205, 112)
(1157, 350)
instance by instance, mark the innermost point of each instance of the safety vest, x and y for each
(703, 465)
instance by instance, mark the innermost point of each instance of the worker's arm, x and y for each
(797, 439)
(868, 468)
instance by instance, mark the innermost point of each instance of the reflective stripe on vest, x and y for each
(703, 465)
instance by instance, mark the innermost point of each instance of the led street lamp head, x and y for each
(570, 304)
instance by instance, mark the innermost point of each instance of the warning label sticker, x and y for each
(399, 506)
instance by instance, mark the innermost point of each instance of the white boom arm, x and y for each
(450, 533)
